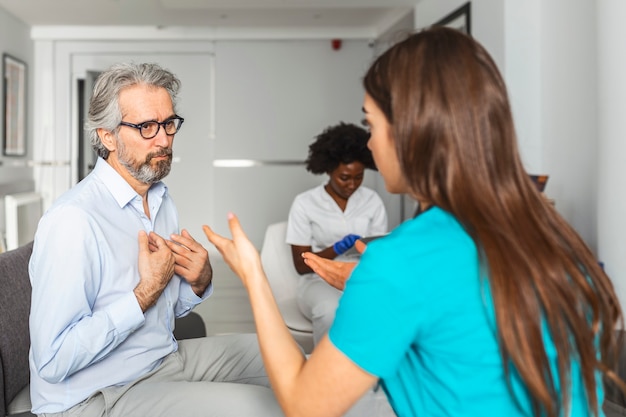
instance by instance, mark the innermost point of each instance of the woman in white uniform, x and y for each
(328, 219)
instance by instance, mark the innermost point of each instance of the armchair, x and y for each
(14, 337)
(283, 278)
(614, 399)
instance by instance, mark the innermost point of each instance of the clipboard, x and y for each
(352, 252)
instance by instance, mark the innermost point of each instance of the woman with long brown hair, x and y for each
(487, 302)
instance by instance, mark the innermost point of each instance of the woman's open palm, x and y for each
(239, 253)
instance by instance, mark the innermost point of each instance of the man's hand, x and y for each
(192, 261)
(156, 268)
(336, 273)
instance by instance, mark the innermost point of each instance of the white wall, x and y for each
(511, 32)
(15, 174)
(399, 207)
(522, 73)
(568, 103)
(546, 53)
(271, 98)
(611, 202)
(550, 70)
(487, 21)
(15, 41)
(568, 106)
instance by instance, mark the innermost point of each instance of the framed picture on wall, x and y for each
(459, 19)
(14, 106)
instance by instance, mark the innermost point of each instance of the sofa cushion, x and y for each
(15, 291)
(21, 403)
(613, 410)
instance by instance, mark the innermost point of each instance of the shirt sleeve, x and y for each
(299, 230)
(69, 329)
(375, 314)
(379, 217)
(188, 299)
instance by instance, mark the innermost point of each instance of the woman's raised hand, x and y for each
(239, 253)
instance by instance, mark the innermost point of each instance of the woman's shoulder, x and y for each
(305, 197)
(310, 193)
(366, 191)
(367, 195)
(427, 255)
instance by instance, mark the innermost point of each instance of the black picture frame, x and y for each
(14, 77)
(460, 19)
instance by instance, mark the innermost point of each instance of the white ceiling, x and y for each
(374, 16)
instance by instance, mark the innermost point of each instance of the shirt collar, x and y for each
(121, 190)
(355, 198)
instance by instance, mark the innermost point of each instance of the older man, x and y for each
(111, 271)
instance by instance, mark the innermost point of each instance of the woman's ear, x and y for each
(107, 138)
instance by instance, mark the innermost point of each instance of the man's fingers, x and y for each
(157, 240)
(177, 247)
(143, 241)
(185, 240)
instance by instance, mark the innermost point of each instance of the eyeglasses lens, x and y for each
(171, 126)
(150, 129)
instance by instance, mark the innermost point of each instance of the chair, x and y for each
(189, 327)
(15, 291)
(14, 337)
(283, 278)
(614, 399)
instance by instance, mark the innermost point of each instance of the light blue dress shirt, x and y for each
(87, 329)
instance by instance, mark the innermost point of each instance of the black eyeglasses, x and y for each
(151, 128)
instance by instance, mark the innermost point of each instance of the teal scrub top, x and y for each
(416, 313)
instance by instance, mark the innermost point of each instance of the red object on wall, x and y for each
(336, 44)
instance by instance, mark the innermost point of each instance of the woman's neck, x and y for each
(341, 202)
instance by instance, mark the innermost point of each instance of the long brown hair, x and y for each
(451, 122)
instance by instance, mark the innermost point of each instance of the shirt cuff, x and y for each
(189, 298)
(125, 314)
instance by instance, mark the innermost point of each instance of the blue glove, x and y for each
(346, 243)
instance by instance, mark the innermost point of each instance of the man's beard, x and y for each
(143, 171)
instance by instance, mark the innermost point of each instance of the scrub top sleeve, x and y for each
(298, 225)
(379, 219)
(380, 311)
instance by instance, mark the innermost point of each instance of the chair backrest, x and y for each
(282, 276)
(15, 291)
(190, 326)
(614, 398)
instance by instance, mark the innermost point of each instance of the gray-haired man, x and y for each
(111, 271)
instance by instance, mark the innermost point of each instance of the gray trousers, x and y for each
(220, 376)
(317, 300)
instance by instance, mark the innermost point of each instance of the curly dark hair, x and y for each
(340, 144)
